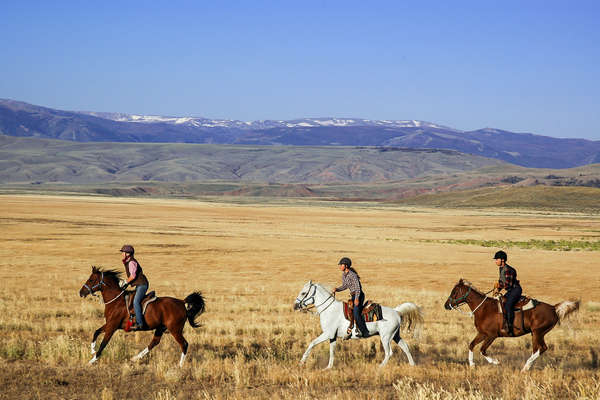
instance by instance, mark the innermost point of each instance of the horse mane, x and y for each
(469, 284)
(112, 274)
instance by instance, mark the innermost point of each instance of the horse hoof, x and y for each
(93, 360)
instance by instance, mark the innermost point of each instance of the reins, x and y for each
(462, 300)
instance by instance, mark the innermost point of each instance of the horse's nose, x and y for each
(296, 305)
(447, 306)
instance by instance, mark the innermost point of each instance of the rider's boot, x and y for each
(510, 329)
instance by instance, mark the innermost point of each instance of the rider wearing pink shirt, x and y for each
(136, 278)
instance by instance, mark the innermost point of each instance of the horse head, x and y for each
(97, 280)
(312, 295)
(458, 295)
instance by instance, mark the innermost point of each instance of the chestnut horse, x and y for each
(488, 321)
(166, 313)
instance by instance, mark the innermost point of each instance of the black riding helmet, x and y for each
(501, 255)
(346, 261)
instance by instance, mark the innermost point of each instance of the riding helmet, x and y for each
(501, 255)
(346, 261)
(127, 248)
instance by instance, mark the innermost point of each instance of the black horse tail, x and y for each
(194, 307)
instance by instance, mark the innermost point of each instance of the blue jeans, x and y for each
(140, 292)
(357, 311)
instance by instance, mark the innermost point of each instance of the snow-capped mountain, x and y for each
(525, 149)
(264, 124)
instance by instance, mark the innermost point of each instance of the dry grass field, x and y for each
(250, 261)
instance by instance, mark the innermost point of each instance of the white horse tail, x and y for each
(565, 308)
(411, 317)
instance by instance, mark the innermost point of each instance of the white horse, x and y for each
(315, 297)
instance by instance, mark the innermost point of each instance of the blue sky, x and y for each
(527, 66)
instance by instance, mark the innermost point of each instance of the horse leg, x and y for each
(487, 343)
(95, 337)
(319, 339)
(108, 332)
(539, 347)
(478, 339)
(387, 349)
(154, 342)
(404, 347)
(178, 335)
(332, 343)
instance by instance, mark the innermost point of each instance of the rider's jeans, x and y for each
(140, 292)
(357, 311)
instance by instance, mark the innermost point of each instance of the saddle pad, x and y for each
(149, 298)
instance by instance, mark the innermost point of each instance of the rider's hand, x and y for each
(125, 286)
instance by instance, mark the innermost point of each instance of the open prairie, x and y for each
(250, 261)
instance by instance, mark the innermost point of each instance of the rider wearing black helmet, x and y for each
(351, 280)
(507, 281)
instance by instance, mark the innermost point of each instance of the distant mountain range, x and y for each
(524, 149)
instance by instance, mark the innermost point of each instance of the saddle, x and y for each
(525, 303)
(371, 312)
(148, 298)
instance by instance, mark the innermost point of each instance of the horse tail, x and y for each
(411, 318)
(194, 307)
(565, 308)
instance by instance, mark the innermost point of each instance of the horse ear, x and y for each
(94, 269)
(310, 282)
(460, 281)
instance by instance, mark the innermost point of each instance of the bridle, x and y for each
(457, 302)
(99, 285)
(309, 300)
(462, 300)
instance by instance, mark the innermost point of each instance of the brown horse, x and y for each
(489, 321)
(166, 313)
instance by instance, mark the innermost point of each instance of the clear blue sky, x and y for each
(524, 66)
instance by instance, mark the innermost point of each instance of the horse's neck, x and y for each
(323, 299)
(109, 292)
(475, 299)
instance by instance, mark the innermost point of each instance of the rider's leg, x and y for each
(358, 319)
(512, 297)
(140, 292)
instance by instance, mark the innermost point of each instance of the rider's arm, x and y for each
(132, 265)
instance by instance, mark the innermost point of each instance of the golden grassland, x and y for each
(250, 261)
